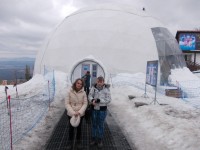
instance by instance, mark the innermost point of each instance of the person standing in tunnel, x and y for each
(86, 78)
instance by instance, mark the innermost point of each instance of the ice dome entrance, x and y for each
(83, 66)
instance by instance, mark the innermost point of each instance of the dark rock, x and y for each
(138, 104)
(131, 97)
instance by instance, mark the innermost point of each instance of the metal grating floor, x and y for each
(113, 137)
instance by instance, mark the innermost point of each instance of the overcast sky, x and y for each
(25, 24)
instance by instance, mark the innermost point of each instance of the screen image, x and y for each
(152, 72)
(187, 41)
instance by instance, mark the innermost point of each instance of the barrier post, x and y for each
(10, 123)
(15, 85)
(6, 88)
(111, 80)
(49, 94)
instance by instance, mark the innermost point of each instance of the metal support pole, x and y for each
(155, 96)
(145, 92)
(194, 59)
(155, 100)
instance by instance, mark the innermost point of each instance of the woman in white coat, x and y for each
(76, 104)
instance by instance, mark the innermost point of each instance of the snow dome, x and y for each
(104, 39)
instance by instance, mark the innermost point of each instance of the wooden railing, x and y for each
(193, 66)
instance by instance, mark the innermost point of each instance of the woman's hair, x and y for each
(74, 84)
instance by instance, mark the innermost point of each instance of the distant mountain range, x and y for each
(10, 68)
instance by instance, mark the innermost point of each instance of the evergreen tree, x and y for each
(27, 73)
(197, 29)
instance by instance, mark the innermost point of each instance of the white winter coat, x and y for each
(104, 95)
(76, 102)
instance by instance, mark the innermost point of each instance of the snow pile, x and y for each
(136, 80)
(181, 74)
(38, 136)
(174, 125)
(129, 78)
(28, 89)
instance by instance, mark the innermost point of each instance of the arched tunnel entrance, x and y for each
(82, 67)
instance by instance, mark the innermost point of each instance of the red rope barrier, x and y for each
(10, 122)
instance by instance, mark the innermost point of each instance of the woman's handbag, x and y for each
(75, 121)
(88, 113)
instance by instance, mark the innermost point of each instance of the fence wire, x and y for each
(25, 113)
(134, 81)
(5, 139)
(190, 89)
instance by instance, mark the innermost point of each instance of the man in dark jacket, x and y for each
(86, 78)
(99, 97)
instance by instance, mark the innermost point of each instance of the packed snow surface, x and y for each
(173, 125)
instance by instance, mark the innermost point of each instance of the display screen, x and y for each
(152, 72)
(189, 41)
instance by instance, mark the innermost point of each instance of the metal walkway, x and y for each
(113, 137)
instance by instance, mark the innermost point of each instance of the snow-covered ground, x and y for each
(174, 125)
(159, 127)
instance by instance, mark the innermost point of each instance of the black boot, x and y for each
(69, 145)
(79, 145)
(100, 143)
(93, 142)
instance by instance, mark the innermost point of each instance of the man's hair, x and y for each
(100, 78)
